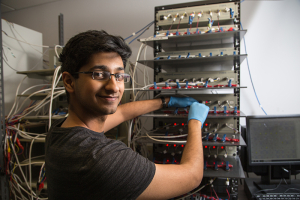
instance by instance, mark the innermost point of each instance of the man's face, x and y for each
(100, 96)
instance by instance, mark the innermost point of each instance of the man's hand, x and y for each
(181, 102)
(198, 111)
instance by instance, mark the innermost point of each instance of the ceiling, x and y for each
(14, 5)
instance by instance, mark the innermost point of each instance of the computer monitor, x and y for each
(273, 145)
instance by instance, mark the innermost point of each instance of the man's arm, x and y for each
(174, 180)
(131, 110)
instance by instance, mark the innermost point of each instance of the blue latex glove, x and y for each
(181, 102)
(199, 112)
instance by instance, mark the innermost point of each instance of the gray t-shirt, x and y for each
(83, 164)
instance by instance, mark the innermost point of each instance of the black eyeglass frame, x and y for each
(105, 72)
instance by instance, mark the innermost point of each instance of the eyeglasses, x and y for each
(104, 76)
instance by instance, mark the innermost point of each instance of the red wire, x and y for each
(228, 194)
(215, 193)
(197, 22)
(171, 25)
(210, 192)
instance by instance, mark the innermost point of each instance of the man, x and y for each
(81, 163)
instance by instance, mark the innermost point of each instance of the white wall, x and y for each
(20, 57)
(273, 45)
(272, 40)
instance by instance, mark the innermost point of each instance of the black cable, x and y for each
(268, 189)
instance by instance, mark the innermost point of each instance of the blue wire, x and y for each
(140, 30)
(242, 1)
(141, 33)
(250, 73)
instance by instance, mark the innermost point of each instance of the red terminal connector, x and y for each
(218, 85)
(41, 186)
(208, 86)
(152, 88)
(187, 87)
(226, 138)
(232, 85)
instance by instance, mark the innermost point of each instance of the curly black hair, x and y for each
(82, 46)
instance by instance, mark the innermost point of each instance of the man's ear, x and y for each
(68, 81)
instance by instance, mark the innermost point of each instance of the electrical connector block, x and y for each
(231, 13)
(225, 109)
(188, 32)
(215, 137)
(235, 110)
(216, 165)
(223, 138)
(227, 166)
(154, 87)
(219, 139)
(207, 137)
(166, 86)
(191, 18)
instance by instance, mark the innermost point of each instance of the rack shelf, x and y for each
(215, 116)
(193, 89)
(225, 61)
(205, 143)
(39, 74)
(175, 40)
(235, 172)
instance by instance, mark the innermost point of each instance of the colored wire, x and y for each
(268, 189)
(250, 74)
(228, 194)
(215, 193)
(141, 33)
(24, 41)
(171, 25)
(12, 27)
(55, 49)
(139, 30)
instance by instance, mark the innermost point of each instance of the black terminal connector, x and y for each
(162, 17)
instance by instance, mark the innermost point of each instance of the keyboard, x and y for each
(277, 196)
